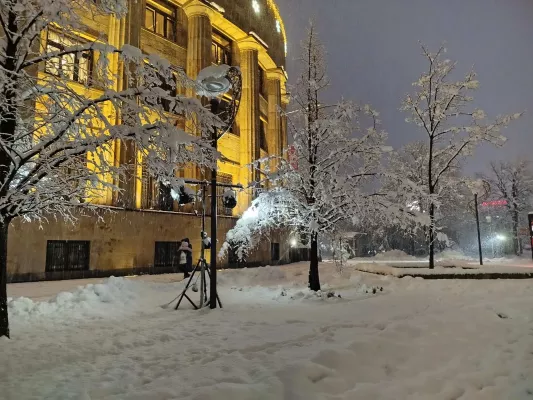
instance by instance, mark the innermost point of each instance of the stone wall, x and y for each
(120, 240)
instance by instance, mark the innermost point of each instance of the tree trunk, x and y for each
(314, 278)
(431, 236)
(517, 246)
(4, 320)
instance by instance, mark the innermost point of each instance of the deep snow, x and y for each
(273, 340)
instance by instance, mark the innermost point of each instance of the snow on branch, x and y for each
(62, 124)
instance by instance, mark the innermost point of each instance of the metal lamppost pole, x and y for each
(478, 230)
(213, 266)
(213, 82)
(530, 227)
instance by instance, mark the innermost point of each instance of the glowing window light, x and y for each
(256, 6)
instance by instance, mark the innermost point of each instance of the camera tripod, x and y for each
(202, 268)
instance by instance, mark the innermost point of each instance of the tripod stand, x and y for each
(202, 268)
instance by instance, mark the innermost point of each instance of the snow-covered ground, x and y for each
(446, 257)
(415, 339)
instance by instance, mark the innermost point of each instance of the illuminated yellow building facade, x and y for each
(144, 224)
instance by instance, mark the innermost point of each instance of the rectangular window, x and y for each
(73, 66)
(263, 135)
(148, 189)
(160, 24)
(262, 83)
(169, 33)
(166, 202)
(224, 113)
(67, 255)
(220, 50)
(220, 55)
(274, 251)
(169, 87)
(149, 19)
(161, 19)
(227, 179)
(166, 254)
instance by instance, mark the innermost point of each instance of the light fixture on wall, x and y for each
(256, 6)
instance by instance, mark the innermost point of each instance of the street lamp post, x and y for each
(530, 227)
(478, 230)
(213, 287)
(478, 188)
(213, 82)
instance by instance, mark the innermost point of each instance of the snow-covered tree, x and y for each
(451, 194)
(442, 109)
(331, 177)
(64, 111)
(513, 182)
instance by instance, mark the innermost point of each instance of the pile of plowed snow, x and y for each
(394, 255)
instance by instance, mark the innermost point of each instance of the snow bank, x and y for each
(394, 255)
(453, 255)
(111, 296)
(444, 272)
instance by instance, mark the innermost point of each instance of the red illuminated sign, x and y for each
(495, 203)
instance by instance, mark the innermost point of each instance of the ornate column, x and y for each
(126, 151)
(274, 136)
(248, 117)
(199, 38)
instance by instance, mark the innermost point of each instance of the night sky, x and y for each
(374, 56)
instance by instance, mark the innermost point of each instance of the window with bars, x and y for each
(227, 179)
(148, 189)
(67, 255)
(160, 18)
(166, 254)
(72, 66)
(166, 202)
(155, 195)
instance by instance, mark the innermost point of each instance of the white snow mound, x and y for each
(85, 299)
(394, 255)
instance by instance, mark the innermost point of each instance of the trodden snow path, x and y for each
(415, 340)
